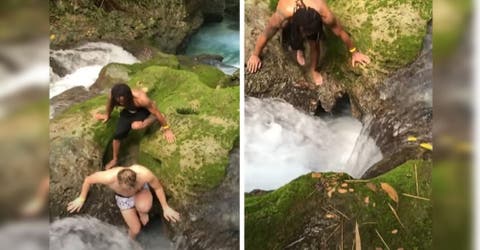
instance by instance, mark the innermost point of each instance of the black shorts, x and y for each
(291, 37)
(124, 124)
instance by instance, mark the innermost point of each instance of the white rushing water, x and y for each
(221, 38)
(283, 143)
(84, 63)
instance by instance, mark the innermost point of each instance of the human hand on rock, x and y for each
(75, 205)
(102, 117)
(254, 64)
(171, 215)
(169, 136)
(358, 57)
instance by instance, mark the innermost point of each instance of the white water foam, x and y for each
(283, 143)
(84, 63)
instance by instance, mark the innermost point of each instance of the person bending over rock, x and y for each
(139, 112)
(303, 20)
(132, 187)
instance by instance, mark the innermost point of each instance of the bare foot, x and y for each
(111, 164)
(317, 78)
(300, 57)
(143, 218)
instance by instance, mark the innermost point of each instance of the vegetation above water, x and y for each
(321, 211)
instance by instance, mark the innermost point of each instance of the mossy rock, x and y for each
(301, 215)
(204, 118)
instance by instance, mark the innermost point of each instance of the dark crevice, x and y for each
(342, 107)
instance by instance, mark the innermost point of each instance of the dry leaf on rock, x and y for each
(390, 191)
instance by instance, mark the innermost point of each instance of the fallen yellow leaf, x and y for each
(426, 146)
(367, 200)
(344, 185)
(316, 175)
(351, 190)
(390, 191)
(329, 193)
(342, 190)
(394, 231)
(412, 138)
(329, 216)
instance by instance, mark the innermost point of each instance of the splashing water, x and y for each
(283, 143)
(83, 64)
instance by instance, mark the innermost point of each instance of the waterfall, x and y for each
(283, 143)
(80, 66)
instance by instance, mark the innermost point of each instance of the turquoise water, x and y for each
(219, 39)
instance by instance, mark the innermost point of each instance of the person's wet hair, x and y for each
(128, 177)
(122, 90)
(308, 20)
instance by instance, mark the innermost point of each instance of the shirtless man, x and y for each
(139, 112)
(131, 185)
(304, 19)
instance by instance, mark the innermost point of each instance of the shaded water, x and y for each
(219, 39)
(283, 143)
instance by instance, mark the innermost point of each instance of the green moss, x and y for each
(273, 219)
(197, 161)
(291, 207)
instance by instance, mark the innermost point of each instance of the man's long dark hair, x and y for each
(308, 20)
(122, 90)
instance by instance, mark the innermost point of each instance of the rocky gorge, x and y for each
(391, 97)
(166, 24)
(200, 101)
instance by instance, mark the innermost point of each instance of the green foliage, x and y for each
(289, 209)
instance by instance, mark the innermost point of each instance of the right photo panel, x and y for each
(338, 124)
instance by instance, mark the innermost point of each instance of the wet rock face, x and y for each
(71, 160)
(61, 102)
(169, 22)
(213, 220)
(406, 110)
(85, 232)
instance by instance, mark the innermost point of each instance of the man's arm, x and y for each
(274, 23)
(331, 21)
(273, 26)
(108, 109)
(101, 177)
(154, 110)
(168, 212)
(109, 106)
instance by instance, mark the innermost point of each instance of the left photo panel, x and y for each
(144, 124)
